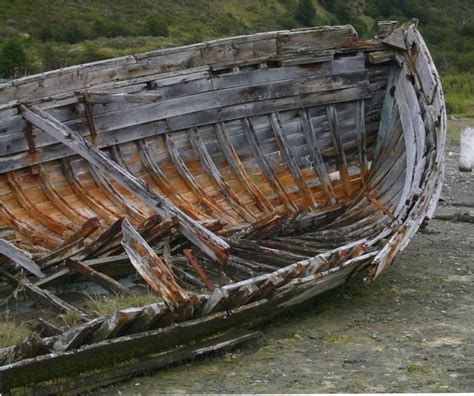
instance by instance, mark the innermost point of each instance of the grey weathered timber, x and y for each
(214, 246)
(291, 161)
(149, 265)
(20, 258)
(295, 159)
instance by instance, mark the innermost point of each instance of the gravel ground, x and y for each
(411, 331)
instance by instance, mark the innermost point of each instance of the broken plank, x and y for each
(207, 241)
(151, 268)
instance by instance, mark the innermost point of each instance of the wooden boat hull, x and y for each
(266, 168)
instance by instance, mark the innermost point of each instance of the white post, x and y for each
(466, 157)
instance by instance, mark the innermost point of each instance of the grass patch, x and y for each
(107, 305)
(11, 332)
(71, 318)
(459, 94)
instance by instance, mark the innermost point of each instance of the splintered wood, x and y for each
(152, 269)
(231, 179)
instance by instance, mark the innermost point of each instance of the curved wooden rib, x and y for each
(335, 133)
(115, 196)
(32, 233)
(291, 161)
(251, 137)
(188, 178)
(361, 138)
(316, 156)
(208, 164)
(33, 210)
(239, 169)
(161, 181)
(51, 192)
(77, 187)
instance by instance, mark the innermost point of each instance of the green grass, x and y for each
(107, 305)
(459, 93)
(11, 331)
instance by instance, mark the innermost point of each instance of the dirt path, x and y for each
(411, 331)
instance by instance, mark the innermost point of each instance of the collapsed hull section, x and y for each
(241, 175)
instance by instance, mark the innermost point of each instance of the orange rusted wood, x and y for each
(152, 269)
(192, 260)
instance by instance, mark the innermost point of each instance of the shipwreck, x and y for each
(234, 179)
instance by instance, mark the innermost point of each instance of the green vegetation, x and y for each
(107, 305)
(11, 332)
(37, 36)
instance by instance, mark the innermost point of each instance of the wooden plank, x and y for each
(152, 269)
(256, 149)
(103, 97)
(98, 277)
(183, 121)
(40, 296)
(339, 148)
(290, 160)
(200, 150)
(32, 209)
(104, 212)
(211, 244)
(239, 170)
(361, 138)
(20, 257)
(112, 193)
(59, 201)
(316, 157)
(315, 39)
(149, 162)
(214, 208)
(227, 97)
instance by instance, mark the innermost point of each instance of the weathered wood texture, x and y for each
(295, 159)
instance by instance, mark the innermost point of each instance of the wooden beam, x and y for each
(238, 168)
(20, 258)
(152, 269)
(211, 244)
(98, 277)
(336, 138)
(316, 156)
(200, 150)
(291, 160)
(251, 137)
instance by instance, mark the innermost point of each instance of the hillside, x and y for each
(38, 36)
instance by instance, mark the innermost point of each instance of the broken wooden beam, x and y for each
(98, 277)
(20, 258)
(211, 244)
(151, 268)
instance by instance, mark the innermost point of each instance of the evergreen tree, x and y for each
(12, 55)
(305, 13)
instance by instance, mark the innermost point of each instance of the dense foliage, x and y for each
(37, 35)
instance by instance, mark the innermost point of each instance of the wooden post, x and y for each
(466, 156)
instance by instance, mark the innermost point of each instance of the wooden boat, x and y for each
(237, 177)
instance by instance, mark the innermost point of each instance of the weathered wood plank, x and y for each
(20, 257)
(290, 160)
(208, 164)
(152, 269)
(101, 279)
(251, 137)
(211, 244)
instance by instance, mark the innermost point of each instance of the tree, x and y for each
(12, 55)
(305, 13)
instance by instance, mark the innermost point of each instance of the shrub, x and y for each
(156, 25)
(305, 13)
(12, 55)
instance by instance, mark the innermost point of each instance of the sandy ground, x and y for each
(411, 331)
